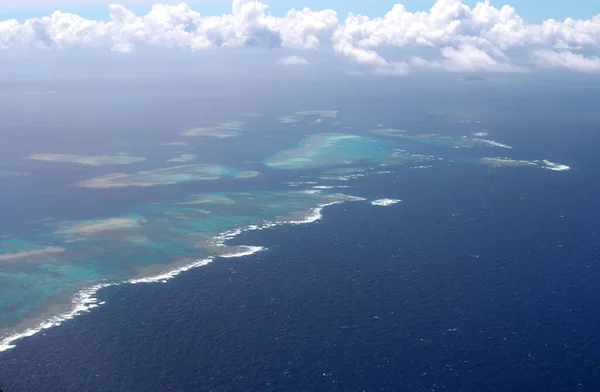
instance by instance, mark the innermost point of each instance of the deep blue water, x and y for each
(483, 279)
(480, 280)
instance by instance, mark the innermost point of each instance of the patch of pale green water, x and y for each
(388, 132)
(182, 158)
(13, 246)
(81, 230)
(150, 240)
(208, 199)
(333, 149)
(94, 160)
(222, 130)
(163, 176)
(29, 287)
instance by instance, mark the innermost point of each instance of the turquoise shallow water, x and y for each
(44, 267)
(404, 297)
(69, 256)
(336, 149)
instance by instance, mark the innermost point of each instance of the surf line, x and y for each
(85, 300)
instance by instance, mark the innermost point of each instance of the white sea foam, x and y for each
(340, 178)
(317, 213)
(385, 202)
(544, 164)
(555, 166)
(323, 187)
(310, 191)
(86, 300)
(328, 187)
(165, 276)
(82, 302)
(247, 251)
(490, 143)
(299, 183)
(506, 162)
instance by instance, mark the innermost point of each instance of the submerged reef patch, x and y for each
(329, 149)
(84, 229)
(222, 130)
(164, 176)
(176, 144)
(183, 158)
(74, 259)
(31, 254)
(97, 160)
(320, 114)
(388, 132)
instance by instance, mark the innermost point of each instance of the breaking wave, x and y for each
(86, 299)
(555, 166)
(385, 202)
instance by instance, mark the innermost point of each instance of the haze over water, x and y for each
(170, 182)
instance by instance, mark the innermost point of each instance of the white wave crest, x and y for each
(165, 276)
(385, 202)
(82, 302)
(555, 166)
(248, 251)
(86, 300)
(490, 143)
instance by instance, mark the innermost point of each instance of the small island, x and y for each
(474, 78)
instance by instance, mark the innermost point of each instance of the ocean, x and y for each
(459, 264)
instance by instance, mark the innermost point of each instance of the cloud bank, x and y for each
(293, 60)
(451, 36)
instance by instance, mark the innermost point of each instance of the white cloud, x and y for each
(451, 36)
(28, 5)
(568, 60)
(468, 58)
(293, 60)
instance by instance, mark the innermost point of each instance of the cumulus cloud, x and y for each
(468, 58)
(566, 59)
(293, 60)
(451, 36)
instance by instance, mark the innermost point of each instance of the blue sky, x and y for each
(530, 10)
(486, 41)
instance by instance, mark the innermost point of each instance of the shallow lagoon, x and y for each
(151, 240)
(331, 149)
(55, 266)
